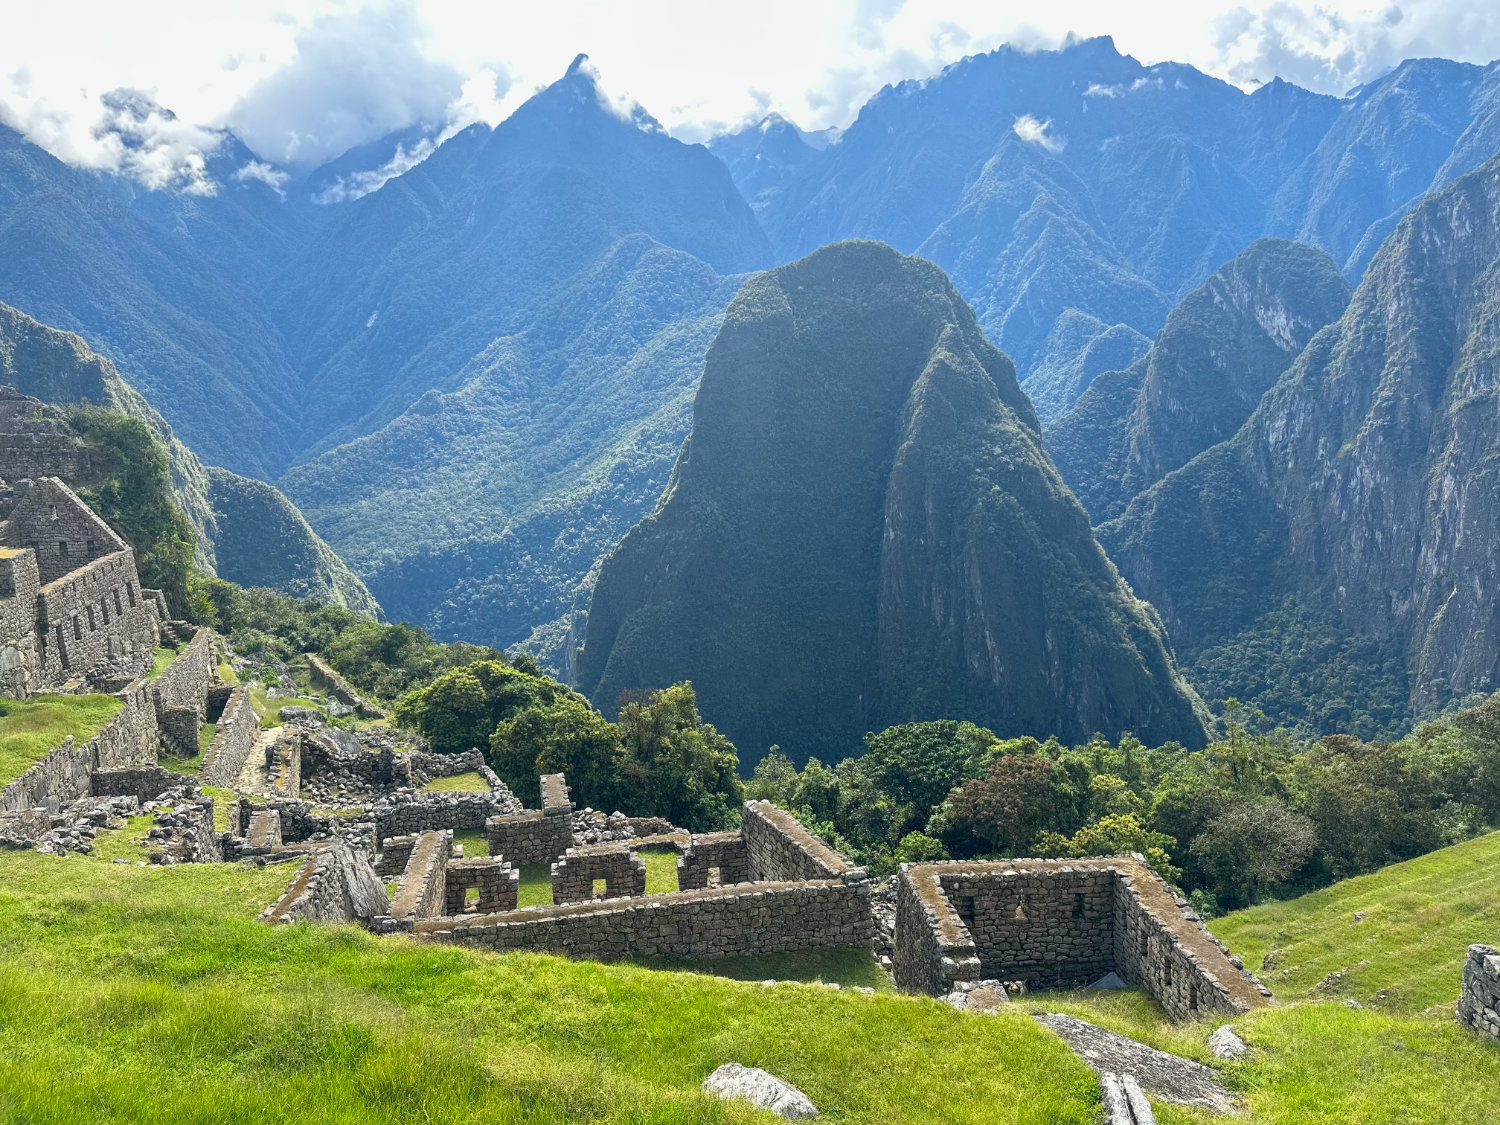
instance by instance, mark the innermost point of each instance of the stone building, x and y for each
(71, 602)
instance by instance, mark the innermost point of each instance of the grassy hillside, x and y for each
(1404, 953)
(149, 994)
(146, 994)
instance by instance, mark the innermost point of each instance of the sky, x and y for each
(301, 82)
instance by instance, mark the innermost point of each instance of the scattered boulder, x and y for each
(1225, 1044)
(1124, 1103)
(983, 997)
(760, 1089)
(1109, 980)
(302, 717)
(1167, 1077)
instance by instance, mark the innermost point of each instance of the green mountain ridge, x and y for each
(246, 530)
(1342, 571)
(1222, 348)
(863, 529)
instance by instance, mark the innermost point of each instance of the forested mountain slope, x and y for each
(1335, 560)
(1221, 349)
(863, 529)
(247, 531)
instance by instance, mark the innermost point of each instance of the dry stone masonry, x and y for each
(334, 884)
(573, 876)
(424, 884)
(234, 737)
(339, 690)
(1057, 922)
(1479, 1001)
(498, 885)
(181, 695)
(713, 859)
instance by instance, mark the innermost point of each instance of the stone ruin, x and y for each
(1063, 923)
(1479, 999)
(774, 887)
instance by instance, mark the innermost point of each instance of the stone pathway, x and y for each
(1170, 1078)
(252, 779)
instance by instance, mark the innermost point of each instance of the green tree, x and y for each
(1253, 846)
(1009, 805)
(563, 736)
(679, 766)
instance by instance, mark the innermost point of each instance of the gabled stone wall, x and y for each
(529, 837)
(778, 848)
(95, 617)
(498, 884)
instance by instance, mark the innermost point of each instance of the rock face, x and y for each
(1353, 519)
(1222, 348)
(862, 529)
(1168, 1077)
(763, 1090)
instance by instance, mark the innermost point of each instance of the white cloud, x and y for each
(1035, 132)
(300, 80)
(272, 177)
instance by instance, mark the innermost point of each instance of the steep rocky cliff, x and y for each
(247, 531)
(1338, 556)
(863, 529)
(1221, 349)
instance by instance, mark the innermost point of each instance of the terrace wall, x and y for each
(234, 737)
(778, 848)
(719, 922)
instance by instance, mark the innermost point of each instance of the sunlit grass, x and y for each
(32, 728)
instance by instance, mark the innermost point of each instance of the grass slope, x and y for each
(1405, 955)
(30, 729)
(151, 994)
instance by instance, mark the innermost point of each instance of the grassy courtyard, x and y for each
(32, 728)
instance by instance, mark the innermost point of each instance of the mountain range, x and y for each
(474, 374)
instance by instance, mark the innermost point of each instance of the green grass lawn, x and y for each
(132, 994)
(270, 709)
(1419, 918)
(189, 767)
(851, 968)
(32, 728)
(164, 656)
(469, 782)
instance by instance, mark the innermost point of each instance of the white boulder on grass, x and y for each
(763, 1090)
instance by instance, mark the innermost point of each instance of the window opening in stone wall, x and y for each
(54, 511)
(62, 649)
(104, 609)
(119, 609)
(1021, 909)
(88, 546)
(92, 623)
(77, 628)
(130, 593)
(964, 904)
(1166, 971)
(715, 877)
(1192, 996)
(62, 548)
(600, 888)
(1145, 943)
(471, 895)
(1078, 905)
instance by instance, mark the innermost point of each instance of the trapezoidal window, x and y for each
(130, 593)
(62, 548)
(77, 628)
(88, 546)
(104, 609)
(119, 609)
(93, 624)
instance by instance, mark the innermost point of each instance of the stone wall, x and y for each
(409, 811)
(424, 886)
(181, 694)
(710, 851)
(338, 688)
(498, 883)
(335, 884)
(126, 741)
(426, 767)
(720, 922)
(555, 797)
(778, 848)
(395, 853)
(529, 837)
(1061, 922)
(95, 618)
(66, 535)
(1479, 1000)
(234, 737)
(20, 662)
(623, 872)
(144, 784)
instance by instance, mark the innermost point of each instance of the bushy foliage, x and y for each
(1258, 813)
(134, 496)
(384, 661)
(659, 759)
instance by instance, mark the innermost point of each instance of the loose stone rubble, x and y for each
(761, 1089)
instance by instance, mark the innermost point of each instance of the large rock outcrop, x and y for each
(1338, 556)
(862, 529)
